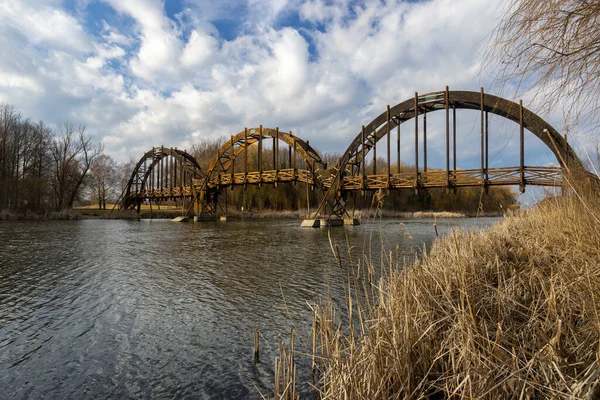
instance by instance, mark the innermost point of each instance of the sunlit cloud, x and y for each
(143, 73)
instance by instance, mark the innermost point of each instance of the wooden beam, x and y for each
(389, 168)
(447, 106)
(416, 140)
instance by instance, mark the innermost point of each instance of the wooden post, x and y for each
(182, 172)
(160, 168)
(290, 153)
(171, 168)
(362, 162)
(424, 141)
(447, 105)
(144, 183)
(374, 152)
(152, 172)
(389, 165)
(166, 177)
(276, 150)
(416, 141)
(256, 344)
(307, 193)
(454, 139)
(482, 136)
(521, 148)
(294, 158)
(398, 144)
(260, 166)
(232, 162)
(245, 157)
(175, 169)
(487, 147)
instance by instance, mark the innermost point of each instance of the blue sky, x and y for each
(143, 73)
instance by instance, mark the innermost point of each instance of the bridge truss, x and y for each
(167, 173)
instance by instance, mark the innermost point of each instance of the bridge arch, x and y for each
(162, 173)
(351, 173)
(449, 100)
(221, 172)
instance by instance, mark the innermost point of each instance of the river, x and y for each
(155, 309)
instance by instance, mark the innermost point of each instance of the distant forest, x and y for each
(44, 169)
(47, 169)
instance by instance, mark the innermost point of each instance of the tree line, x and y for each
(45, 169)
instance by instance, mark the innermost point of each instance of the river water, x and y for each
(155, 309)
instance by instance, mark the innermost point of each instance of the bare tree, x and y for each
(205, 151)
(104, 179)
(72, 156)
(554, 47)
(125, 171)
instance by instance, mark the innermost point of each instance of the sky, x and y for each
(143, 73)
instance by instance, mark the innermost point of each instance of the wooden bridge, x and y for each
(168, 173)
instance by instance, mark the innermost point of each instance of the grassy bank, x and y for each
(511, 312)
(68, 214)
(376, 213)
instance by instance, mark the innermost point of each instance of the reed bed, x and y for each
(378, 212)
(510, 312)
(67, 214)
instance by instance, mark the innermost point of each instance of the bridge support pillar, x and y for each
(326, 223)
(311, 223)
(204, 218)
(197, 206)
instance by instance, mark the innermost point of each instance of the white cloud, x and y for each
(112, 36)
(15, 81)
(267, 11)
(319, 12)
(198, 50)
(45, 25)
(285, 73)
(160, 46)
(163, 83)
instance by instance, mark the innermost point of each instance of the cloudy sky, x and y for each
(143, 73)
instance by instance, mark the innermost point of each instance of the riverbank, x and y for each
(509, 312)
(172, 212)
(48, 216)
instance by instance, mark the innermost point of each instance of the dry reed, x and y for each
(510, 312)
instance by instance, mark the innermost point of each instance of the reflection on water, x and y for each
(155, 309)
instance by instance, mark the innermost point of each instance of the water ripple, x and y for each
(153, 309)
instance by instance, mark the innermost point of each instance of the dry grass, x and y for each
(511, 312)
(374, 213)
(66, 214)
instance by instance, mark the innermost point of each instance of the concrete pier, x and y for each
(311, 223)
(204, 218)
(326, 223)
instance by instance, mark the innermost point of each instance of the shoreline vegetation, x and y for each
(169, 212)
(91, 212)
(509, 312)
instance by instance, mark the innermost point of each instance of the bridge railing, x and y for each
(539, 176)
(535, 176)
(255, 177)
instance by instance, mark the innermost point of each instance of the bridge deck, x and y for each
(535, 176)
